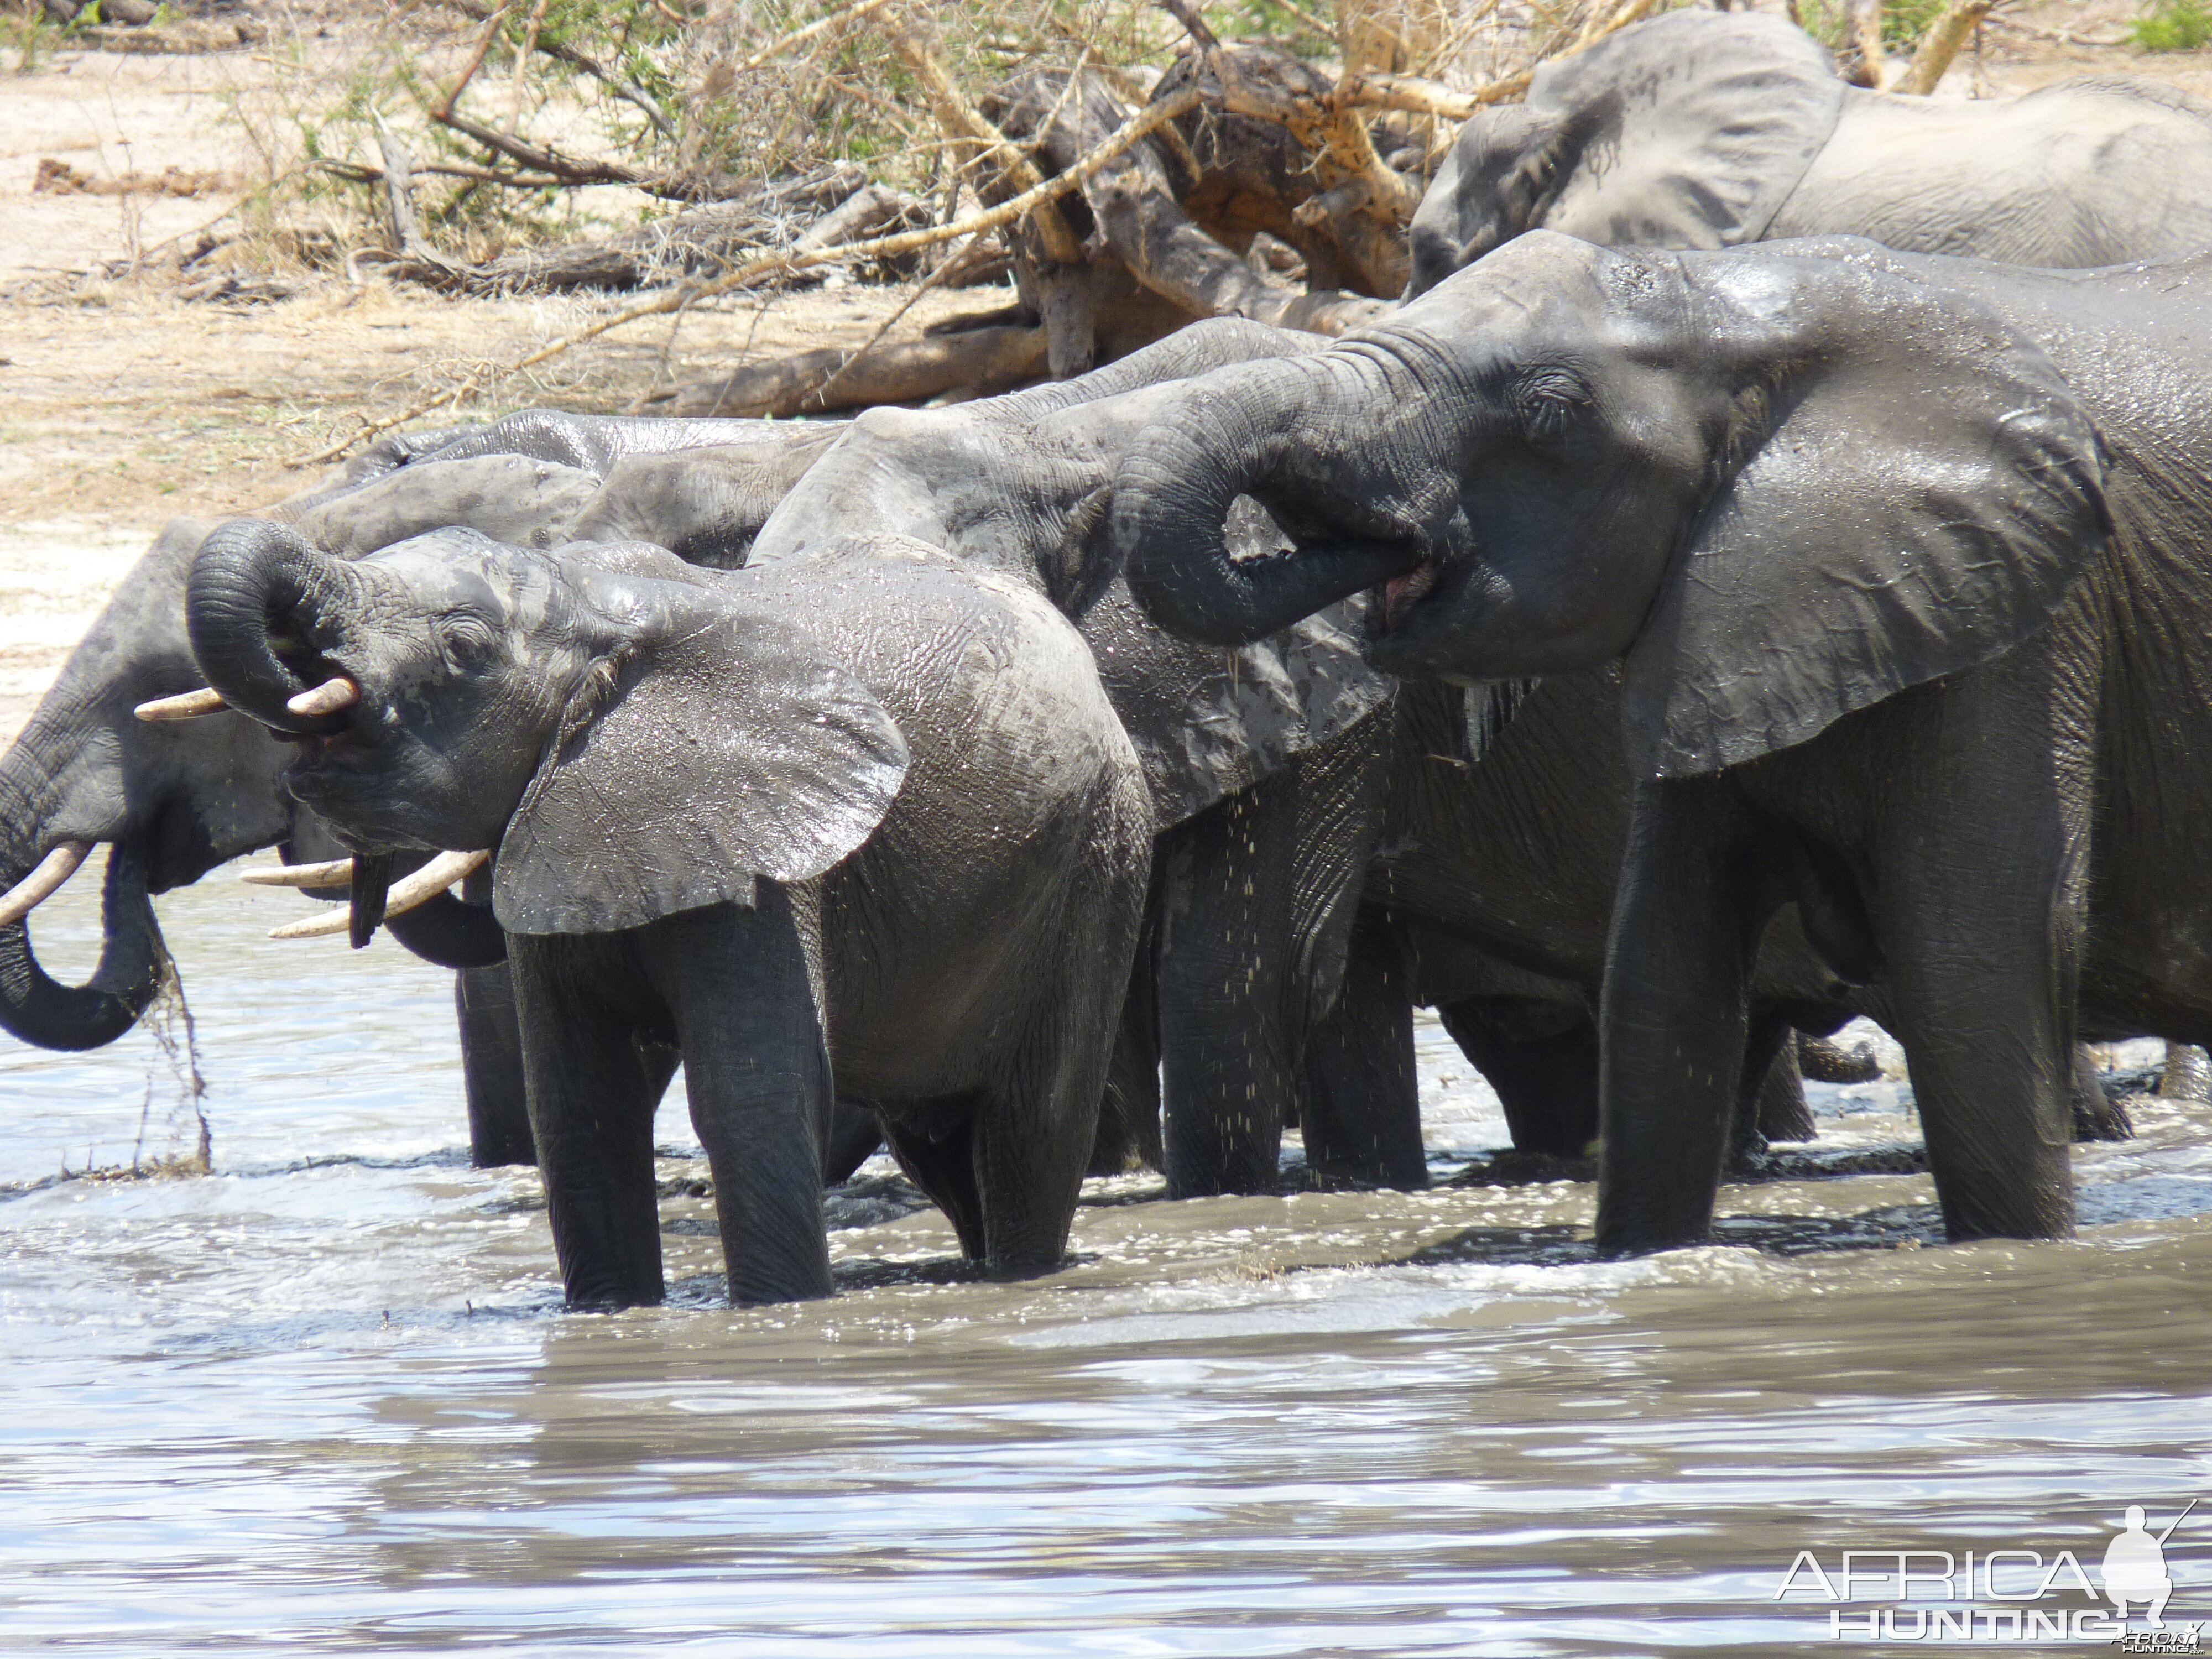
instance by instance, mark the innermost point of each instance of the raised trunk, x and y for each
(257, 588)
(133, 961)
(1250, 430)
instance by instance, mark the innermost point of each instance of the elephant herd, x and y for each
(1720, 602)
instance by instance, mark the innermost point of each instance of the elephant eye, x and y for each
(465, 641)
(1551, 400)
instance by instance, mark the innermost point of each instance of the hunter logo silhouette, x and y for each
(2135, 1567)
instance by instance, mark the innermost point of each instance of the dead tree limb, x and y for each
(983, 362)
(1136, 218)
(961, 121)
(771, 265)
(1946, 36)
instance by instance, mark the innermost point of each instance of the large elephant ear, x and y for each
(1913, 489)
(1688, 131)
(734, 747)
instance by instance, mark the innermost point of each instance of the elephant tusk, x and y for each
(41, 885)
(188, 706)
(415, 890)
(333, 694)
(336, 873)
(410, 892)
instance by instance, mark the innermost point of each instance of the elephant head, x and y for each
(1690, 130)
(170, 799)
(631, 741)
(1020, 484)
(1781, 484)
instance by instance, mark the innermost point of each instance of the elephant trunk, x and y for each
(258, 593)
(1257, 430)
(52, 773)
(133, 962)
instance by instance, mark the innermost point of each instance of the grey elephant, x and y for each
(1902, 559)
(173, 798)
(839, 819)
(1705, 130)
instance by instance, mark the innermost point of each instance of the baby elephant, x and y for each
(866, 812)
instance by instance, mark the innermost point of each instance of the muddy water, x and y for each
(326, 1398)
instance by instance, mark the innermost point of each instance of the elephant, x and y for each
(1267, 764)
(1900, 560)
(864, 817)
(173, 798)
(1708, 130)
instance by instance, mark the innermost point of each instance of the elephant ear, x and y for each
(1690, 130)
(1206, 721)
(732, 747)
(1913, 489)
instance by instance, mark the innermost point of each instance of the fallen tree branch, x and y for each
(986, 361)
(1134, 131)
(1416, 95)
(361, 173)
(961, 120)
(1943, 42)
(545, 160)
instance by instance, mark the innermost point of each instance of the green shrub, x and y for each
(2172, 26)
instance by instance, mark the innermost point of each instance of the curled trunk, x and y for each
(257, 588)
(39, 1010)
(1239, 432)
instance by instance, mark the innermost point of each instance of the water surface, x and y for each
(326, 1399)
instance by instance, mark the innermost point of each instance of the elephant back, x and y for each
(1690, 130)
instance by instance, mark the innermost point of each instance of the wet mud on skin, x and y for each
(326, 1399)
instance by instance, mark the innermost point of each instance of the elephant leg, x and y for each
(854, 1134)
(1129, 1113)
(945, 1169)
(1540, 1060)
(1224, 948)
(1978, 879)
(491, 1067)
(2188, 1074)
(1783, 1113)
(1036, 1125)
(757, 1069)
(1360, 1102)
(2097, 1116)
(1768, 1049)
(591, 1114)
(1675, 1017)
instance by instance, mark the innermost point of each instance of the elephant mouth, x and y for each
(1401, 595)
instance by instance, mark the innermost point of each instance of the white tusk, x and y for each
(432, 879)
(190, 706)
(35, 889)
(332, 695)
(407, 894)
(336, 873)
(337, 921)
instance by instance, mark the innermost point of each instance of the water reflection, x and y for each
(326, 1399)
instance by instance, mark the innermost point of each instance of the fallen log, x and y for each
(978, 362)
(700, 240)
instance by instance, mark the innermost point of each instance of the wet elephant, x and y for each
(861, 824)
(1708, 130)
(1897, 557)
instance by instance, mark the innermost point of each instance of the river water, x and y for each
(326, 1399)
